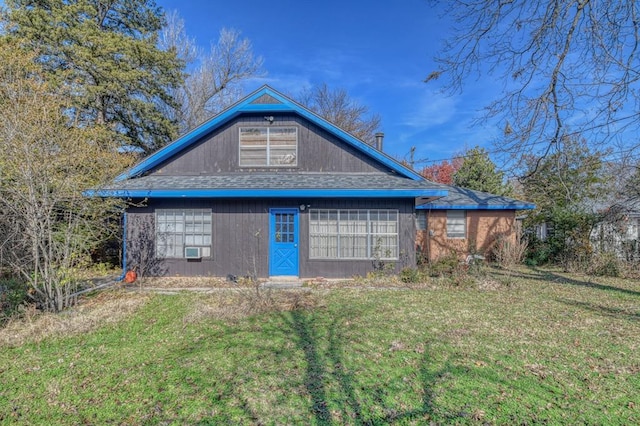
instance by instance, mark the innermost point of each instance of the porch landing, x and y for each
(283, 282)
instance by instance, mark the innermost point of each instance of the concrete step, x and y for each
(283, 282)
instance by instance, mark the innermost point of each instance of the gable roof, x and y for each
(468, 199)
(265, 100)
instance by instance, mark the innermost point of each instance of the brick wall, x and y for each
(483, 227)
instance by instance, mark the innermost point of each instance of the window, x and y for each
(421, 220)
(178, 229)
(268, 146)
(456, 224)
(353, 234)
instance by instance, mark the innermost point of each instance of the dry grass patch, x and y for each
(183, 282)
(91, 313)
(242, 303)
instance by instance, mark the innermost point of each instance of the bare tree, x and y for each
(568, 67)
(45, 165)
(335, 106)
(214, 78)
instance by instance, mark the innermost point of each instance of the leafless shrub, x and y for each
(51, 228)
(508, 253)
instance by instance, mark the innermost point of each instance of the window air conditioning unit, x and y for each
(193, 252)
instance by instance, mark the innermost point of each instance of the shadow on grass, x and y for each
(336, 394)
(301, 324)
(617, 313)
(549, 276)
(343, 376)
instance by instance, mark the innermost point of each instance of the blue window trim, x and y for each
(265, 193)
(246, 106)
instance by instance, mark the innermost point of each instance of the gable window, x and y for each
(177, 230)
(353, 234)
(456, 224)
(268, 146)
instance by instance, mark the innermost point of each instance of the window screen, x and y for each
(268, 146)
(456, 224)
(177, 229)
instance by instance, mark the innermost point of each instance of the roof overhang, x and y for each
(265, 193)
(523, 206)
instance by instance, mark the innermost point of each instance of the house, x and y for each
(465, 222)
(268, 188)
(618, 231)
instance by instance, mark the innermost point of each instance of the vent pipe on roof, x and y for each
(379, 138)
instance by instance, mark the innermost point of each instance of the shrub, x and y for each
(446, 265)
(539, 252)
(605, 264)
(507, 253)
(410, 275)
(13, 294)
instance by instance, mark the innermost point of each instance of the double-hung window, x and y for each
(456, 224)
(178, 229)
(353, 234)
(268, 146)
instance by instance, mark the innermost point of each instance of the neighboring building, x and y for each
(619, 234)
(268, 188)
(466, 222)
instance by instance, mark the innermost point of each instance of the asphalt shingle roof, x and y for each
(238, 181)
(463, 197)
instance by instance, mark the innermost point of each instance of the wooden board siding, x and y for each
(483, 227)
(266, 100)
(240, 242)
(318, 151)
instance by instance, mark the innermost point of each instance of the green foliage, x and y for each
(539, 252)
(479, 173)
(49, 226)
(105, 55)
(444, 266)
(564, 186)
(569, 242)
(568, 178)
(410, 275)
(13, 294)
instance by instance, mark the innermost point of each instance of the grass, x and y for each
(532, 347)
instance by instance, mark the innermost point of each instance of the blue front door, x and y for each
(283, 242)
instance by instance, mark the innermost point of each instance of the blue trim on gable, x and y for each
(524, 206)
(266, 193)
(245, 106)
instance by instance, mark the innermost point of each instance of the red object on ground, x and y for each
(130, 277)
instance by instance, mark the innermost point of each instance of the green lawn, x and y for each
(525, 348)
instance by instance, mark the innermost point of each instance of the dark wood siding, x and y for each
(241, 238)
(318, 151)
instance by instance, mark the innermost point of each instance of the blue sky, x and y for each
(379, 51)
